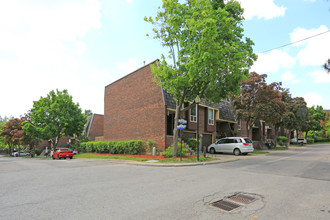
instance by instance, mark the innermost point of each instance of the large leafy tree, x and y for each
(297, 114)
(55, 116)
(259, 101)
(14, 135)
(315, 116)
(207, 53)
(327, 128)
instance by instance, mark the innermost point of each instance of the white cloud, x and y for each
(41, 39)
(287, 77)
(315, 51)
(129, 1)
(81, 47)
(312, 99)
(272, 62)
(129, 65)
(320, 76)
(266, 9)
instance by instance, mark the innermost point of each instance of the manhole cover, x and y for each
(225, 205)
(242, 198)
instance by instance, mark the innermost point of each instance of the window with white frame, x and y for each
(193, 114)
(211, 116)
(238, 124)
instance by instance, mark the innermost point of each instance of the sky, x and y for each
(84, 45)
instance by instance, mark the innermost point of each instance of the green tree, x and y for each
(13, 134)
(55, 116)
(209, 57)
(88, 112)
(315, 116)
(2, 139)
(327, 128)
(259, 101)
(297, 114)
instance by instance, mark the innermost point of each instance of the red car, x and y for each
(62, 153)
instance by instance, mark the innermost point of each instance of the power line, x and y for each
(296, 41)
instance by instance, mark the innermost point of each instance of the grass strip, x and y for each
(259, 152)
(167, 160)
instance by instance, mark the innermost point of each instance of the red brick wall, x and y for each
(134, 109)
(242, 132)
(208, 127)
(96, 129)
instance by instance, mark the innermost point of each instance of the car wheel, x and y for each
(70, 158)
(237, 152)
(64, 158)
(212, 150)
(53, 157)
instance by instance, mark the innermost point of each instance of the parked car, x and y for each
(298, 141)
(21, 154)
(62, 153)
(234, 145)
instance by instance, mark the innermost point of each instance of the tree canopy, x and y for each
(313, 122)
(259, 101)
(209, 56)
(13, 134)
(55, 116)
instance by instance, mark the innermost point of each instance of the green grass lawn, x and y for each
(321, 143)
(279, 148)
(259, 152)
(167, 160)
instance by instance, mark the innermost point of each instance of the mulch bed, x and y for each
(138, 156)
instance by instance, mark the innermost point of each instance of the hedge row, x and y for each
(112, 147)
(319, 139)
(310, 140)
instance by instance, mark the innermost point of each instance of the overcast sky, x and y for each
(83, 46)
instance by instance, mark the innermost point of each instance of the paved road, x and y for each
(287, 185)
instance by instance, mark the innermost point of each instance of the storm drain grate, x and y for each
(243, 198)
(225, 205)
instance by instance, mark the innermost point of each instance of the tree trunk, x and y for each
(306, 135)
(175, 130)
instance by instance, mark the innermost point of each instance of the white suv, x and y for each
(234, 145)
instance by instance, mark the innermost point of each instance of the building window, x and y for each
(211, 117)
(238, 124)
(193, 114)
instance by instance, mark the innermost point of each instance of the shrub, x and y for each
(100, 147)
(310, 140)
(82, 147)
(192, 143)
(282, 140)
(169, 151)
(320, 139)
(113, 147)
(37, 151)
(89, 147)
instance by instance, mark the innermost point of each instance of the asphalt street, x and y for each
(293, 184)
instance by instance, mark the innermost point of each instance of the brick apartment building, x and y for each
(135, 107)
(94, 127)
